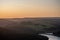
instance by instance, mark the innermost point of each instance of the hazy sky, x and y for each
(29, 8)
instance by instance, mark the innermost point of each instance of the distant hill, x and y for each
(31, 25)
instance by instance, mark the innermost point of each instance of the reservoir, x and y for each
(51, 37)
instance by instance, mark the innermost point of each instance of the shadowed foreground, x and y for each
(23, 37)
(6, 34)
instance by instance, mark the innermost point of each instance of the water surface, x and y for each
(51, 37)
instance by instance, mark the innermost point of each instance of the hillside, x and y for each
(31, 25)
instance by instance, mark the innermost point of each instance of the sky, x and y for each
(29, 8)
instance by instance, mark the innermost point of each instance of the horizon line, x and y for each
(28, 17)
